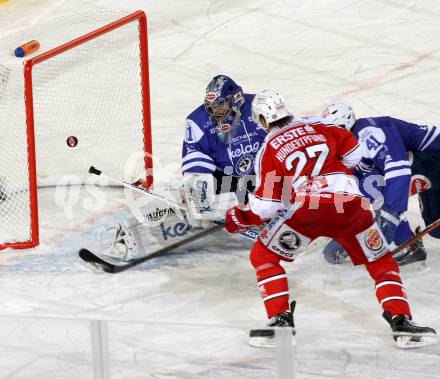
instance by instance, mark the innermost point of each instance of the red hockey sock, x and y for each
(272, 279)
(389, 288)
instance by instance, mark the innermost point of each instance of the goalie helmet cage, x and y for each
(83, 101)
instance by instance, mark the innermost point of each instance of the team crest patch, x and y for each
(373, 239)
(211, 96)
(245, 164)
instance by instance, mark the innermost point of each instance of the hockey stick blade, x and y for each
(89, 257)
(409, 342)
(113, 267)
(419, 235)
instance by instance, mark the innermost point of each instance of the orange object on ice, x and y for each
(27, 48)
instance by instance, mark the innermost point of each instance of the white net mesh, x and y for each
(87, 106)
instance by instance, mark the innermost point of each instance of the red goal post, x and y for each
(85, 102)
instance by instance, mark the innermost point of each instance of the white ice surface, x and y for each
(195, 306)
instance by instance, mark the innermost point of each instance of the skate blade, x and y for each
(408, 342)
(419, 267)
(266, 342)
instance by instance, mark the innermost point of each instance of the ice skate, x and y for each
(407, 334)
(265, 337)
(414, 253)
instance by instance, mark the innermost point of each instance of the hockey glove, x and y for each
(239, 220)
(364, 167)
(388, 221)
(334, 253)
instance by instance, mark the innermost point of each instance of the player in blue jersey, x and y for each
(394, 150)
(221, 141)
(219, 149)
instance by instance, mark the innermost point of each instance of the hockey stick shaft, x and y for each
(205, 233)
(112, 268)
(95, 171)
(249, 234)
(419, 235)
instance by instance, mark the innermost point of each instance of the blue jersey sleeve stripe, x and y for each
(390, 165)
(197, 170)
(205, 165)
(386, 171)
(396, 173)
(430, 137)
(198, 160)
(429, 132)
(196, 154)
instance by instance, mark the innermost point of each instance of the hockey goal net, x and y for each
(82, 100)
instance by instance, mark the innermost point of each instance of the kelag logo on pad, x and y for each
(179, 229)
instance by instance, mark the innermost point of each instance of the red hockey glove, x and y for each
(239, 220)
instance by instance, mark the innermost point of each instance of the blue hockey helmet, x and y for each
(223, 97)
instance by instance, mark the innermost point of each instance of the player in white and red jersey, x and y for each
(306, 189)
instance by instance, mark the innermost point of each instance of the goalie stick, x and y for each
(95, 171)
(113, 266)
(250, 234)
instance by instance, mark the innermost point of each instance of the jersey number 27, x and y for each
(299, 159)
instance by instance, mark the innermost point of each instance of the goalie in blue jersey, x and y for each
(221, 141)
(399, 159)
(219, 149)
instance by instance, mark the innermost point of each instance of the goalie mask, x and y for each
(340, 114)
(223, 98)
(268, 106)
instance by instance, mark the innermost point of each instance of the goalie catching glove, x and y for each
(239, 220)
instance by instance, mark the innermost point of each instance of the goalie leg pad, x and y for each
(136, 239)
